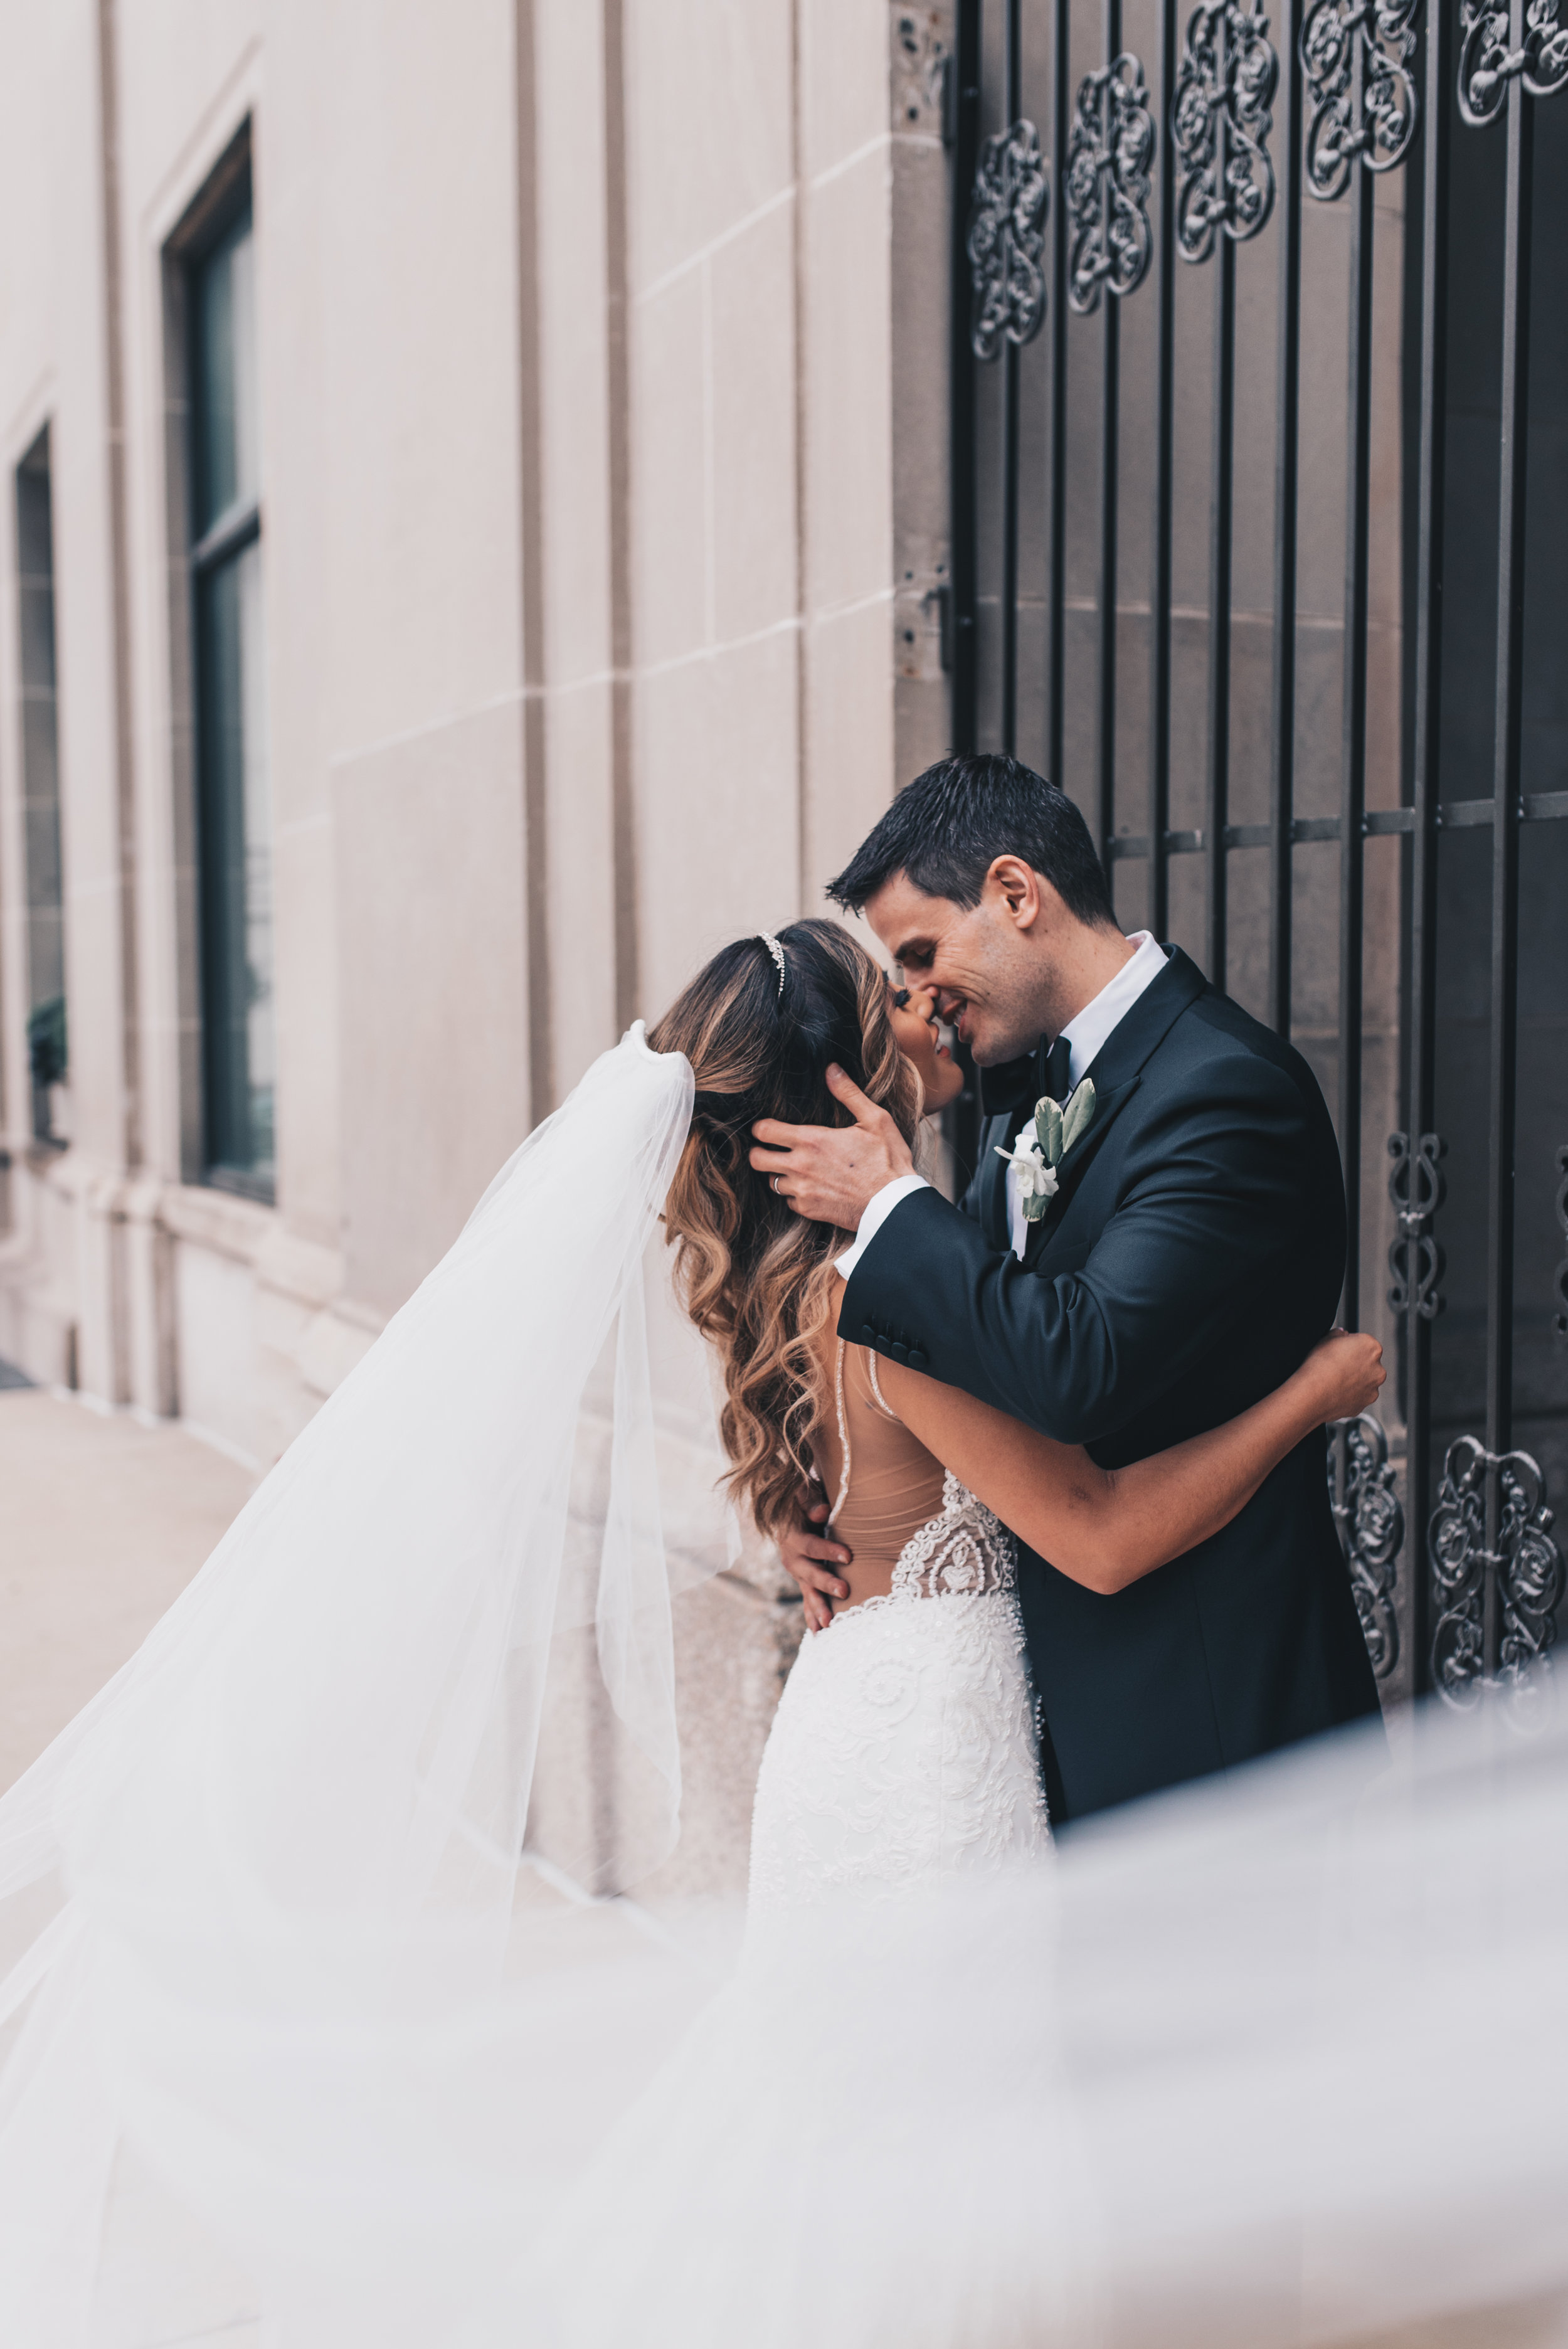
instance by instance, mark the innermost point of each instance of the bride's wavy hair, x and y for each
(754, 1276)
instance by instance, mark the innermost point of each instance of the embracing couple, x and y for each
(1083, 1409)
(1070, 1544)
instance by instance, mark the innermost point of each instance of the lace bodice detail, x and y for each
(904, 1748)
(962, 1548)
(965, 1549)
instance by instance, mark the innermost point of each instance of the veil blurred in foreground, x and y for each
(323, 1950)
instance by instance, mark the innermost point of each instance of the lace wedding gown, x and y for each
(903, 1748)
(903, 1757)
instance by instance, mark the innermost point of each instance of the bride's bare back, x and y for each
(909, 1521)
(894, 1487)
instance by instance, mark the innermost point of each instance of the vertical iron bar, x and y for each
(1500, 1087)
(961, 365)
(1352, 787)
(1419, 1107)
(1060, 66)
(1219, 794)
(1281, 781)
(1109, 484)
(1010, 364)
(1159, 598)
(1506, 769)
(1010, 546)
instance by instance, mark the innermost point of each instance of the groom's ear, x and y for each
(1017, 889)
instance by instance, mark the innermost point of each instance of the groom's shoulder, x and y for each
(1215, 1043)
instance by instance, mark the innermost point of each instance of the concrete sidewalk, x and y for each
(102, 1522)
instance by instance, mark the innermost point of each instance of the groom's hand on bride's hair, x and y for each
(810, 1557)
(831, 1173)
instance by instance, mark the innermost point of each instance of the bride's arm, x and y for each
(1105, 1528)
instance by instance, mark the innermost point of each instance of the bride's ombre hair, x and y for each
(754, 1277)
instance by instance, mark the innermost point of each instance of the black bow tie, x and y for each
(1018, 1084)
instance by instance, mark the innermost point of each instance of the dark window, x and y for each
(233, 818)
(41, 787)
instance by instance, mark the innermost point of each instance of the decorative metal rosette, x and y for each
(1417, 1189)
(1371, 1524)
(1006, 239)
(1487, 63)
(1220, 123)
(1357, 55)
(1107, 183)
(1524, 1566)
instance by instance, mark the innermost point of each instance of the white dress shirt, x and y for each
(1085, 1034)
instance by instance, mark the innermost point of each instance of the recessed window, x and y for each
(41, 794)
(234, 819)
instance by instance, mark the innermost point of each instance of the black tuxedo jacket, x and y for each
(1192, 1256)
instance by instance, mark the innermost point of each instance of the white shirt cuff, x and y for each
(878, 1208)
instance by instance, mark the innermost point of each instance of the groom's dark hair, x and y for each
(948, 827)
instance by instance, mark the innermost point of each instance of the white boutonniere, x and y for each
(1040, 1149)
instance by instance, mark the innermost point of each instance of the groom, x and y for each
(1189, 1256)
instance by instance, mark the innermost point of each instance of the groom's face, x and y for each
(981, 968)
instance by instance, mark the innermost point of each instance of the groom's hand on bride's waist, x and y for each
(830, 1174)
(810, 1555)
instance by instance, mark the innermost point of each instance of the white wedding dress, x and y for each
(901, 1768)
(903, 1749)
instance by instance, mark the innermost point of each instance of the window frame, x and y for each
(35, 465)
(225, 197)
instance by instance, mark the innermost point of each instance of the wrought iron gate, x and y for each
(1331, 239)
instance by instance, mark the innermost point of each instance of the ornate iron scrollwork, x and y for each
(1559, 1277)
(1357, 55)
(1006, 239)
(1371, 1526)
(1416, 1191)
(1524, 1567)
(1107, 183)
(1487, 64)
(1220, 123)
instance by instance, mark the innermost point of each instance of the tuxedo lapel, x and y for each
(1116, 1070)
(993, 1198)
(1014, 1087)
(1135, 1039)
(1069, 1173)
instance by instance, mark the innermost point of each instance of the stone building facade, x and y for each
(475, 483)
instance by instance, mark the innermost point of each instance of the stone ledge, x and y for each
(216, 1220)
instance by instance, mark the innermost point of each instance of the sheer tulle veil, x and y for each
(1277, 2060)
(281, 1846)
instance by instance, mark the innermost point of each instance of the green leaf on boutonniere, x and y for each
(1060, 1124)
(1048, 1126)
(1077, 1116)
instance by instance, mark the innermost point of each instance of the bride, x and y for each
(903, 1757)
(285, 1956)
(928, 1486)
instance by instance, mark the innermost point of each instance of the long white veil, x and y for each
(281, 1848)
(1277, 2061)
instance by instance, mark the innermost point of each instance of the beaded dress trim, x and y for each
(964, 1551)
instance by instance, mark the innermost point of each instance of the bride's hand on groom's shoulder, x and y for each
(811, 1556)
(831, 1173)
(1346, 1368)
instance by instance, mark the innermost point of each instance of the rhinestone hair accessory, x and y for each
(776, 951)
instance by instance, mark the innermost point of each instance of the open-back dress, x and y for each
(903, 1748)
